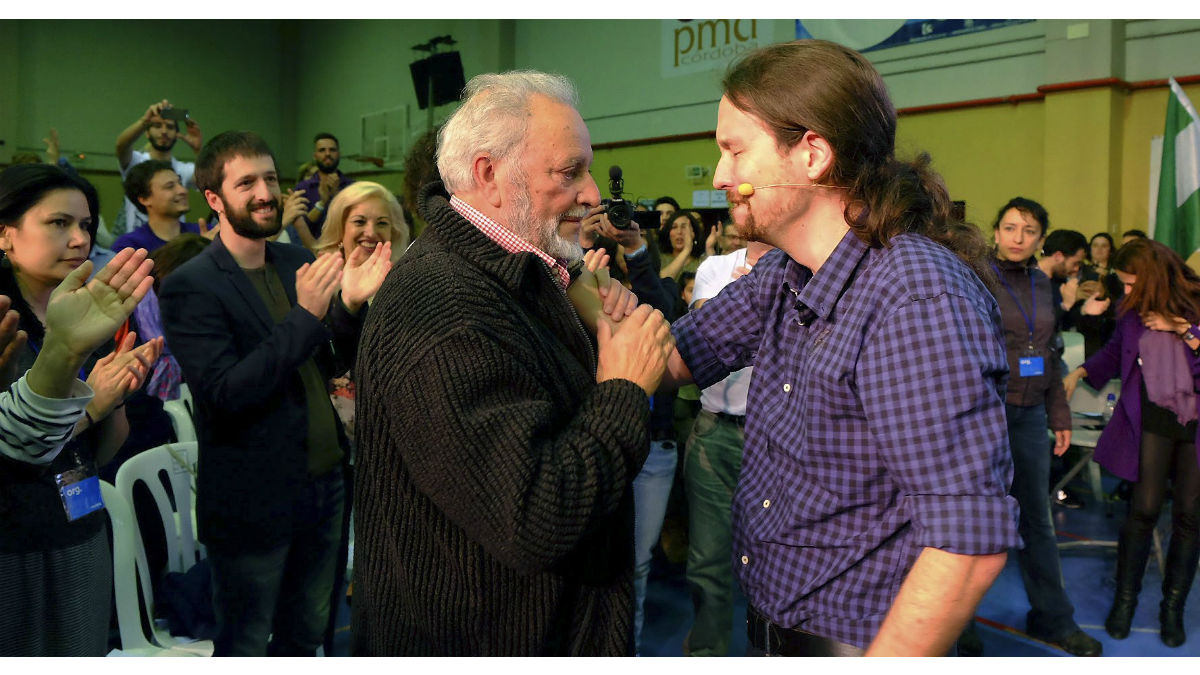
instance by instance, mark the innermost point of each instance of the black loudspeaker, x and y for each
(447, 73)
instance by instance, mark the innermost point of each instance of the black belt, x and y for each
(775, 640)
(739, 420)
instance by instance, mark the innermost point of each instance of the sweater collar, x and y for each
(512, 269)
(1005, 265)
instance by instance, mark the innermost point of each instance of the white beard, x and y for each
(543, 235)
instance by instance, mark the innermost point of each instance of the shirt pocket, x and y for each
(704, 424)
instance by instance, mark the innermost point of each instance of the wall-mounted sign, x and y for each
(698, 45)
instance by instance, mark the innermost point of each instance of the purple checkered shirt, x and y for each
(875, 426)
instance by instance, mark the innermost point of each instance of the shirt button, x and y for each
(787, 388)
(766, 503)
(745, 560)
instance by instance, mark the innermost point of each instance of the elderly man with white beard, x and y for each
(498, 438)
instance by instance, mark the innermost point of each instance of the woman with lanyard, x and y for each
(1035, 401)
(55, 569)
(1151, 439)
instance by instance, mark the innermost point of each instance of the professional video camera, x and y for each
(621, 212)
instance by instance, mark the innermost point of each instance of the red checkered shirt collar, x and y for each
(507, 239)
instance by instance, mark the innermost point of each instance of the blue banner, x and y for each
(867, 35)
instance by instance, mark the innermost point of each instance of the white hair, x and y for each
(493, 119)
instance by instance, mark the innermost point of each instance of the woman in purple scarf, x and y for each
(1152, 436)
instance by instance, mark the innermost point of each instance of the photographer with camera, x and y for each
(160, 123)
(617, 220)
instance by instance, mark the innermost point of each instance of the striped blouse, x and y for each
(33, 428)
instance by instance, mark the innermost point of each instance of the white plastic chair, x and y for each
(125, 584)
(180, 411)
(178, 462)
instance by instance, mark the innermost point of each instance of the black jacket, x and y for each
(243, 372)
(493, 509)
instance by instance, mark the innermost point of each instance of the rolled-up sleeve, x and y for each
(723, 335)
(931, 381)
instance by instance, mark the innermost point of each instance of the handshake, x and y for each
(634, 340)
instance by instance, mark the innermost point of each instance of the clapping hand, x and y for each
(295, 204)
(710, 244)
(116, 376)
(1069, 288)
(327, 186)
(364, 274)
(316, 282)
(11, 341)
(689, 240)
(83, 314)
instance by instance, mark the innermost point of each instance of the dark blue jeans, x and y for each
(282, 594)
(1051, 612)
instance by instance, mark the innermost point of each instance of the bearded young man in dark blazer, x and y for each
(259, 328)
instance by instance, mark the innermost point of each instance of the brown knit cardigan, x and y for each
(493, 508)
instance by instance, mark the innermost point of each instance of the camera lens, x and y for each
(620, 213)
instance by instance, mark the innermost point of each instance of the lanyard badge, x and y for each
(1031, 366)
(80, 491)
(1030, 363)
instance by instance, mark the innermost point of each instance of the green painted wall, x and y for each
(346, 69)
(288, 79)
(987, 155)
(91, 79)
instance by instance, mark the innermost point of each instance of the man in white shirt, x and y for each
(162, 133)
(710, 473)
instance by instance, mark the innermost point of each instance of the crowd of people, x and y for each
(541, 391)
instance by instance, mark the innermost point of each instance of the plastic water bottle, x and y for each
(1109, 406)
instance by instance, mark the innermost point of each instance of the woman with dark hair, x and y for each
(681, 245)
(1035, 400)
(55, 573)
(1151, 439)
(1094, 313)
(1099, 266)
(1100, 250)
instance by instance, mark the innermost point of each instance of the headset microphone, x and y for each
(746, 189)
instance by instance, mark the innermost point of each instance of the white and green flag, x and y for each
(1178, 213)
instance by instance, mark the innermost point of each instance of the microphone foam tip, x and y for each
(745, 189)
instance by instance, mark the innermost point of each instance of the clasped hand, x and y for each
(638, 351)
